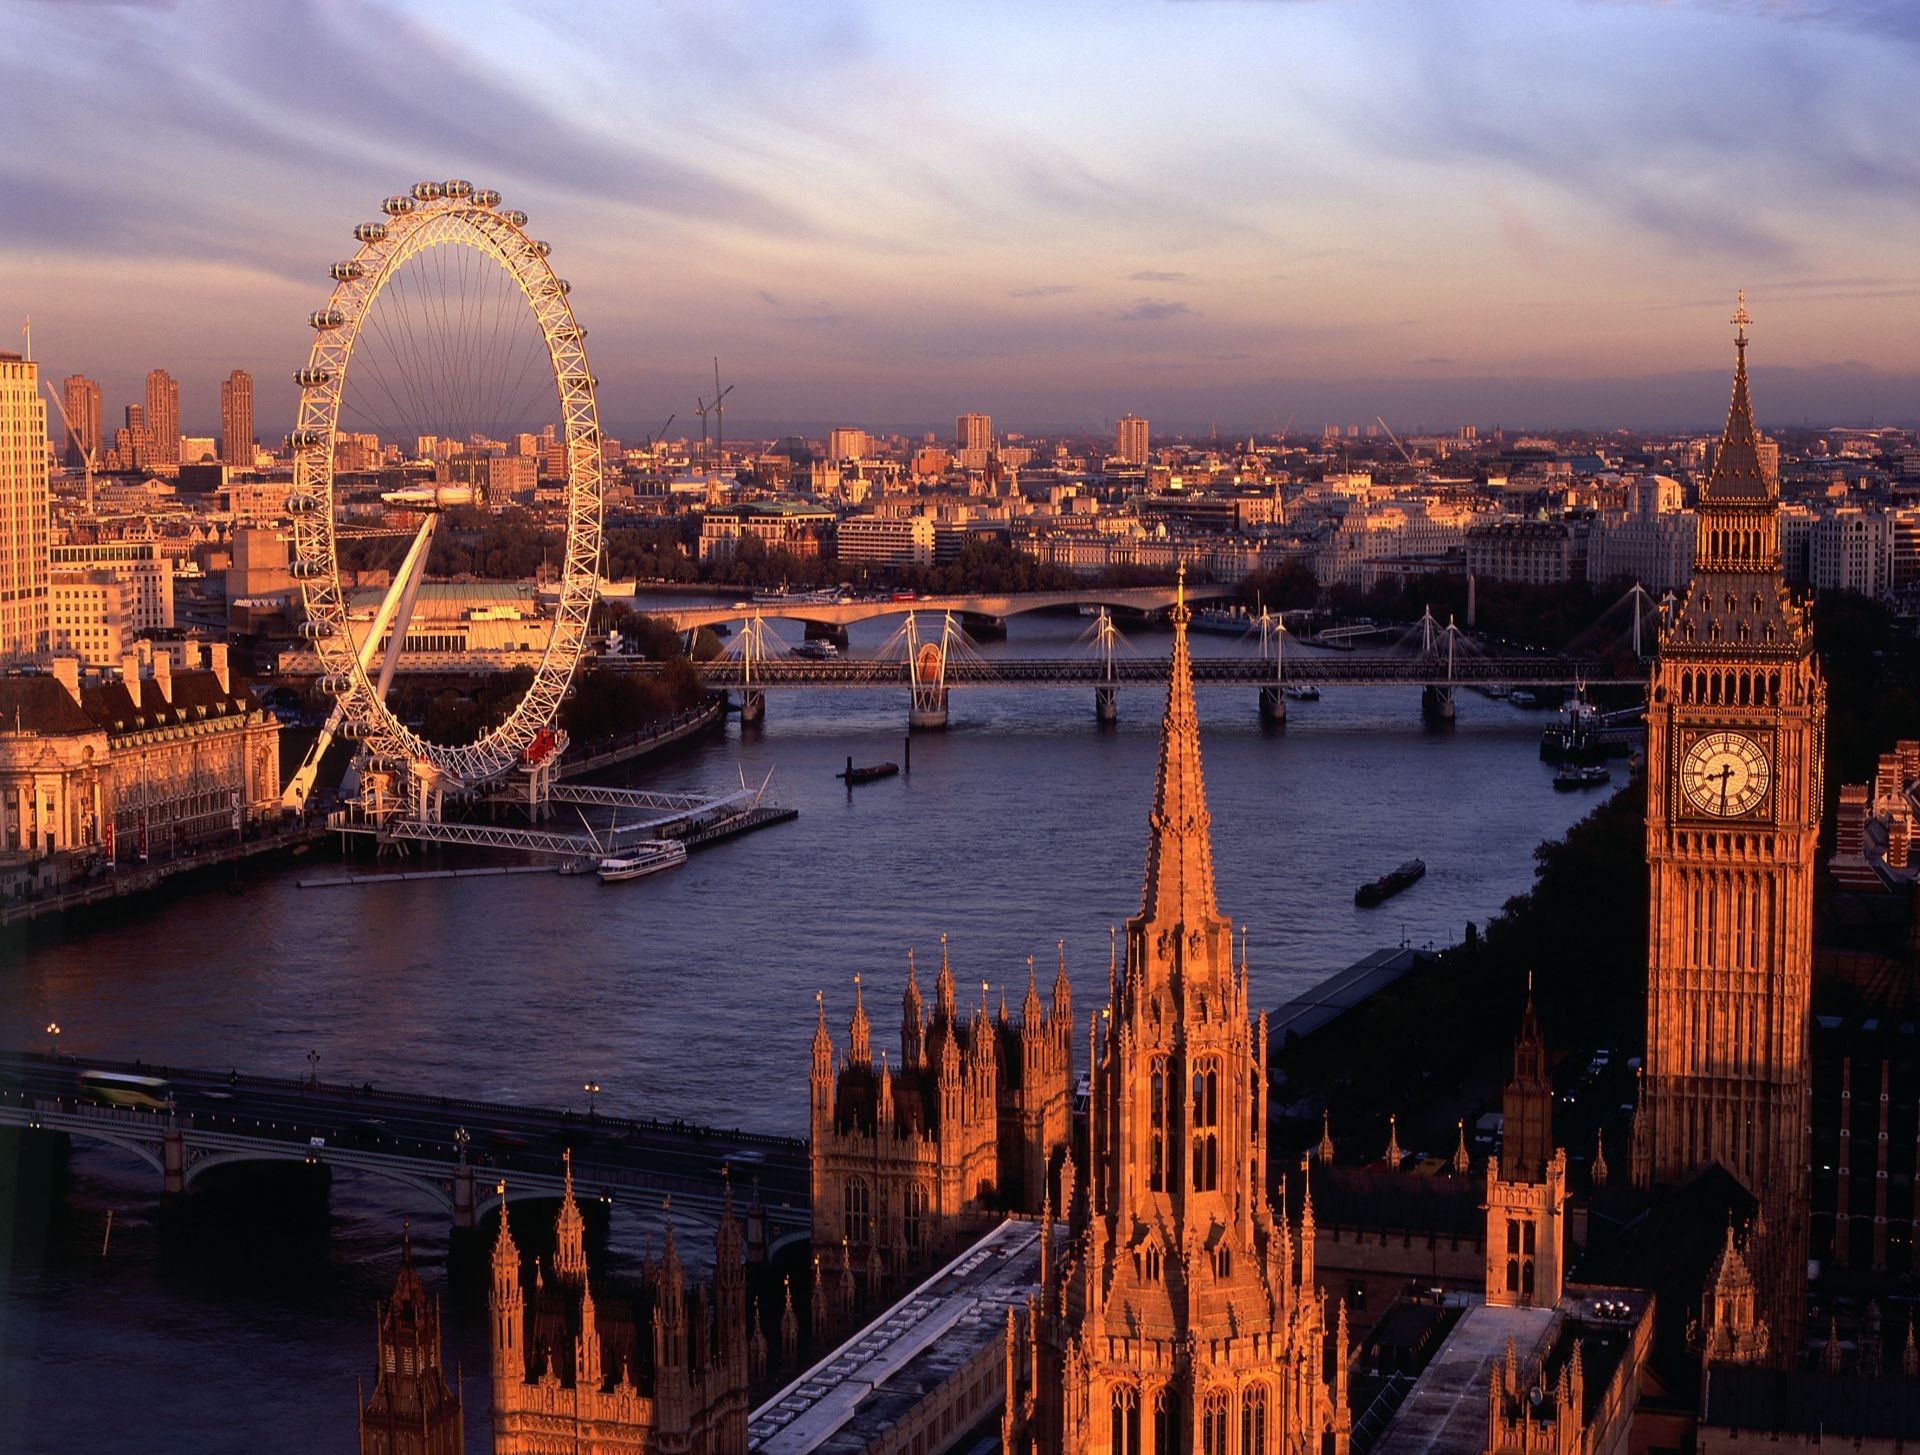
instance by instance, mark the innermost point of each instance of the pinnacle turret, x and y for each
(1179, 884)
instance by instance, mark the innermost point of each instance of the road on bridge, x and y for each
(505, 1138)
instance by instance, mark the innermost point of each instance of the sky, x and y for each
(1215, 213)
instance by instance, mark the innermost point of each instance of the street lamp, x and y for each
(461, 1136)
(592, 1089)
(53, 1040)
(313, 1069)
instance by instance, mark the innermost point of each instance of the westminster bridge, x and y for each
(468, 1155)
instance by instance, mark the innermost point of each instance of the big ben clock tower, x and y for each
(1735, 740)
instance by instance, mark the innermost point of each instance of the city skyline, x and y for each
(1046, 232)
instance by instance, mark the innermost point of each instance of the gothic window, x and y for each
(1166, 1421)
(1157, 1125)
(916, 1217)
(1223, 1261)
(1513, 1235)
(1126, 1421)
(1526, 1278)
(858, 1208)
(1513, 1275)
(1150, 1260)
(1206, 1124)
(1253, 1420)
(1526, 1237)
(1213, 1424)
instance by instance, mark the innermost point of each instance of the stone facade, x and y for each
(909, 1160)
(663, 1374)
(1182, 1315)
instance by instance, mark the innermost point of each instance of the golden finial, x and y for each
(1741, 318)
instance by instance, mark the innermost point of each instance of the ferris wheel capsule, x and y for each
(486, 197)
(456, 189)
(335, 684)
(313, 378)
(345, 272)
(316, 631)
(516, 218)
(397, 206)
(368, 232)
(325, 318)
(306, 439)
(427, 191)
(299, 503)
(307, 570)
(541, 248)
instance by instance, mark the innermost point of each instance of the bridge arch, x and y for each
(147, 1151)
(434, 1188)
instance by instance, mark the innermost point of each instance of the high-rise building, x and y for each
(25, 528)
(236, 419)
(1735, 721)
(848, 444)
(413, 1411)
(973, 432)
(163, 416)
(80, 398)
(1130, 440)
(1181, 1314)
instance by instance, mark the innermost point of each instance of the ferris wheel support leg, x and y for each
(398, 606)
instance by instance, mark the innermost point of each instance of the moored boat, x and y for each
(867, 772)
(1568, 779)
(642, 859)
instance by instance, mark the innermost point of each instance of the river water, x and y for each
(689, 993)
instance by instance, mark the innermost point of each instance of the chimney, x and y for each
(66, 671)
(130, 675)
(216, 655)
(163, 676)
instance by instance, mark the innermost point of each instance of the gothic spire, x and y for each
(1737, 472)
(1179, 887)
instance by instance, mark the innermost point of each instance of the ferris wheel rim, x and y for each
(435, 215)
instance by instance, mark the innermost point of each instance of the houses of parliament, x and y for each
(1007, 1254)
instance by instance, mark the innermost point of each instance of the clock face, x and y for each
(1725, 774)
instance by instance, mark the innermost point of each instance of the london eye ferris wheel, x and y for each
(448, 341)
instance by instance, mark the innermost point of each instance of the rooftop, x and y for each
(1446, 1411)
(869, 1384)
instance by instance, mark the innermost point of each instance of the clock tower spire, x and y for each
(1736, 712)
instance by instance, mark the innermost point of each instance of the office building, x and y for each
(236, 420)
(163, 416)
(24, 523)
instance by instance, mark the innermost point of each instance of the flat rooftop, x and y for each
(869, 1384)
(1446, 1411)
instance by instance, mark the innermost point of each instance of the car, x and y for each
(214, 1093)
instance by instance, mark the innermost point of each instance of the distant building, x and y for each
(1130, 439)
(163, 416)
(880, 540)
(497, 480)
(89, 616)
(1851, 550)
(973, 432)
(848, 444)
(80, 397)
(413, 1411)
(236, 420)
(1533, 552)
(24, 522)
(147, 570)
(777, 524)
(1651, 541)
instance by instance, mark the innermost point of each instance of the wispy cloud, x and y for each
(1043, 290)
(1148, 275)
(1150, 310)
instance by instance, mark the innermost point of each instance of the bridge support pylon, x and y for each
(1273, 706)
(173, 1162)
(1106, 705)
(1436, 704)
(753, 705)
(928, 709)
(463, 1196)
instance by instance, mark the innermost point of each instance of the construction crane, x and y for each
(90, 455)
(720, 414)
(1396, 441)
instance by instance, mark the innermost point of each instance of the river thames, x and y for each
(691, 993)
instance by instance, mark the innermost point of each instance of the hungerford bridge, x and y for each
(928, 664)
(465, 1155)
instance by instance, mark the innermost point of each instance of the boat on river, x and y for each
(648, 857)
(867, 772)
(1571, 778)
(1388, 885)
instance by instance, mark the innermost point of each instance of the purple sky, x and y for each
(1530, 213)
